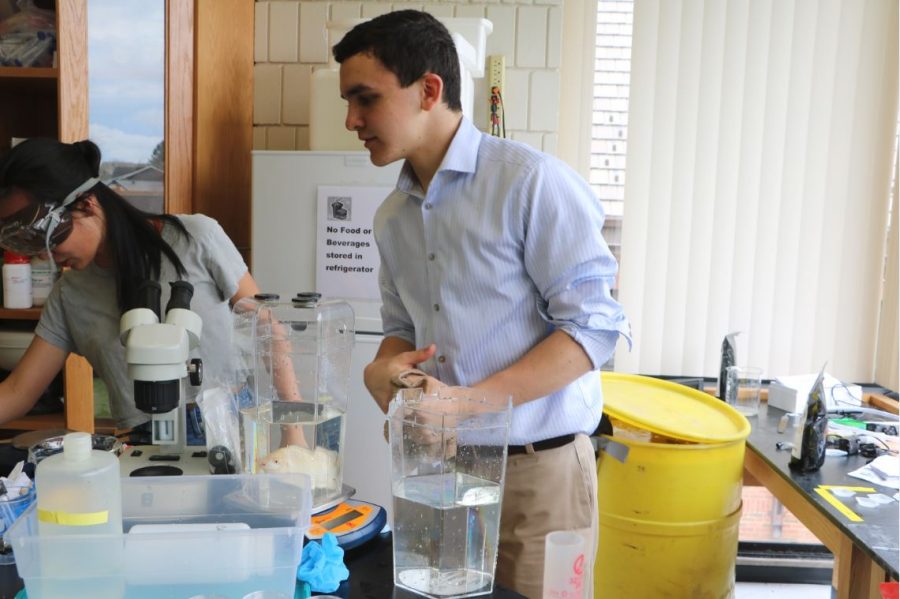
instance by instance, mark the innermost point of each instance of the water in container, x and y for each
(292, 384)
(448, 457)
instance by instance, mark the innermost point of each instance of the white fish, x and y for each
(321, 465)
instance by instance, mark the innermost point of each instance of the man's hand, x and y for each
(378, 374)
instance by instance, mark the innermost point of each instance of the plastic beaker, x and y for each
(564, 562)
(448, 455)
(10, 510)
(742, 385)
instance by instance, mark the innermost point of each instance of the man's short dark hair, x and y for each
(409, 43)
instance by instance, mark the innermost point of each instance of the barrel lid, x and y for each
(671, 410)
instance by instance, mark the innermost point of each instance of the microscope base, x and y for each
(160, 460)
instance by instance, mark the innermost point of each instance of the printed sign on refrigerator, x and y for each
(346, 255)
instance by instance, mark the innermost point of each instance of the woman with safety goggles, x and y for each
(52, 203)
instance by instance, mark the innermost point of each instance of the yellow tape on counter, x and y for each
(73, 519)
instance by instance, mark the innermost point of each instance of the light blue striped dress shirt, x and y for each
(505, 248)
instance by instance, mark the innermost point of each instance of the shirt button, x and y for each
(431, 257)
(437, 308)
(442, 359)
(427, 206)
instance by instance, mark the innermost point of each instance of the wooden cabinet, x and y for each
(52, 102)
(208, 130)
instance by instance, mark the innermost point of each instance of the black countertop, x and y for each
(879, 532)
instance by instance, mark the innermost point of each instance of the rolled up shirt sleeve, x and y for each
(570, 262)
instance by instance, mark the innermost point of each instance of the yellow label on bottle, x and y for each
(72, 518)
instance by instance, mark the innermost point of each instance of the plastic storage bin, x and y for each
(225, 536)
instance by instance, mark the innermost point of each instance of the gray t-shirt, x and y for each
(82, 315)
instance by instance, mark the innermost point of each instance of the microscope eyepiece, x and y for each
(148, 296)
(181, 295)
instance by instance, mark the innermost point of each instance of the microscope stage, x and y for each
(160, 460)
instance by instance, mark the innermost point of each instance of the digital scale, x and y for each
(353, 522)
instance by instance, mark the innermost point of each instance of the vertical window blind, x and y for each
(760, 144)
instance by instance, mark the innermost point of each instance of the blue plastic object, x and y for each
(322, 565)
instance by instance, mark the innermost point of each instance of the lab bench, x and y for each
(864, 541)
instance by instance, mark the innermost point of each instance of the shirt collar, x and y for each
(461, 156)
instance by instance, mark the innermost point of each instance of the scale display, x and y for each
(353, 522)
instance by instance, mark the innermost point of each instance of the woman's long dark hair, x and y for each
(48, 170)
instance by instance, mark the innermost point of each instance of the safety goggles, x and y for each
(41, 227)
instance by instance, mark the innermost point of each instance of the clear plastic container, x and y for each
(293, 383)
(449, 457)
(222, 536)
(79, 490)
(79, 496)
(42, 278)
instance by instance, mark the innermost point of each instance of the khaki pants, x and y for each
(553, 489)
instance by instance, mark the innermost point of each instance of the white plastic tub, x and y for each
(222, 536)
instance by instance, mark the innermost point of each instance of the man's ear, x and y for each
(432, 90)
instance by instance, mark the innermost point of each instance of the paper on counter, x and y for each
(883, 470)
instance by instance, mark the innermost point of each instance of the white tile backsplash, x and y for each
(535, 140)
(261, 32)
(544, 96)
(266, 94)
(551, 140)
(515, 100)
(295, 94)
(373, 9)
(291, 41)
(440, 10)
(554, 37)
(503, 38)
(531, 49)
(281, 138)
(313, 33)
(259, 138)
(345, 10)
(283, 31)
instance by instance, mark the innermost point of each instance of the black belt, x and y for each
(541, 445)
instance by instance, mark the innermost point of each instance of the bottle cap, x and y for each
(13, 258)
(77, 446)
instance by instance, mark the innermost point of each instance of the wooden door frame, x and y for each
(179, 107)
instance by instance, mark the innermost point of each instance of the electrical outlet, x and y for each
(497, 72)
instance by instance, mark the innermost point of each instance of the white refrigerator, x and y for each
(285, 225)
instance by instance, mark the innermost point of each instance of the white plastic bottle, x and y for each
(16, 281)
(79, 491)
(42, 279)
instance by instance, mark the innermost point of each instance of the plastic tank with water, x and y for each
(293, 378)
(448, 462)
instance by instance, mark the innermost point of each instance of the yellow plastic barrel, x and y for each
(669, 511)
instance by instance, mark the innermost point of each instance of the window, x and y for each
(609, 126)
(126, 70)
